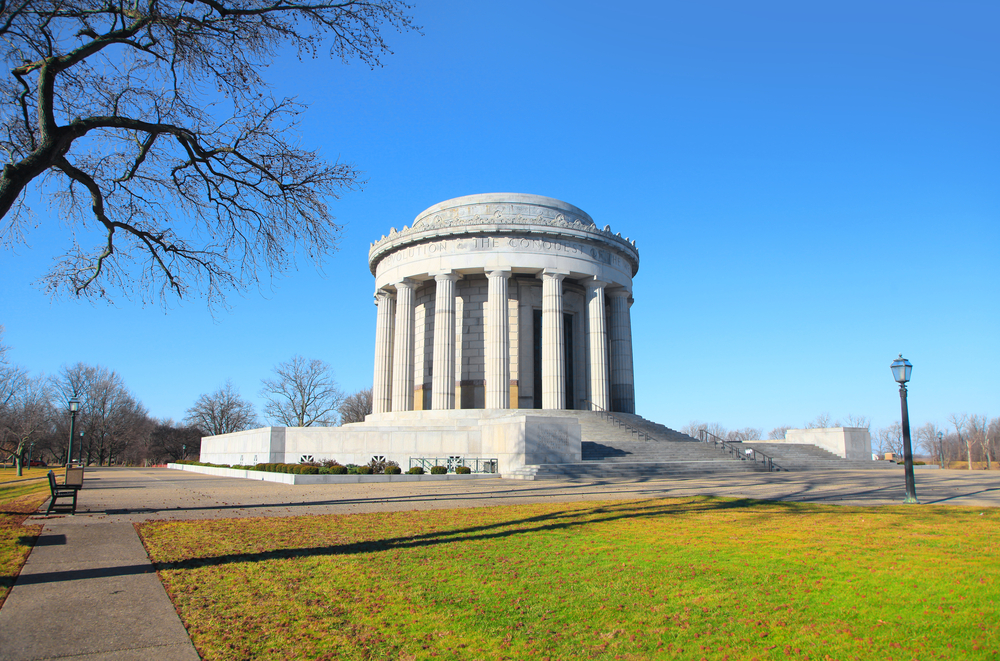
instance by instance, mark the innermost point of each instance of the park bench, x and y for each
(63, 491)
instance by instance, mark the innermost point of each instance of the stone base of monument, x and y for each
(527, 443)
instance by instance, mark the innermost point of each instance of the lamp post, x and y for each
(940, 436)
(74, 406)
(81, 449)
(901, 369)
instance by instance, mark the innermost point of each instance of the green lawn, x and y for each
(19, 498)
(678, 578)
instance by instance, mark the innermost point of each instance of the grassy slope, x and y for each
(688, 578)
(19, 498)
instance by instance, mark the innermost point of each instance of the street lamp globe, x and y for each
(901, 369)
(74, 404)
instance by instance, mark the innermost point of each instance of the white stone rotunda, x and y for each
(496, 315)
(503, 301)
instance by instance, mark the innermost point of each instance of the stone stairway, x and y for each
(612, 451)
(803, 456)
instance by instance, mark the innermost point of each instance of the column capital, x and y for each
(383, 293)
(552, 274)
(619, 293)
(406, 283)
(499, 273)
(595, 283)
(445, 276)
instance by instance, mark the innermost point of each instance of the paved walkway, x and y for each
(89, 590)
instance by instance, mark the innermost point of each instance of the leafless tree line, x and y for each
(113, 427)
(967, 440)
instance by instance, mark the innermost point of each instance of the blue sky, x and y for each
(813, 188)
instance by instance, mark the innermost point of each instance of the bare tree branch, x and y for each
(158, 110)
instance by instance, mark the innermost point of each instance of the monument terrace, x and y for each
(503, 338)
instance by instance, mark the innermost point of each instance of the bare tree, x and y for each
(694, 427)
(170, 442)
(222, 412)
(927, 440)
(356, 407)
(822, 421)
(25, 419)
(745, 434)
(304, 394)
(110, 417)
(858, 422)
(959, 422)
(778, 433)
(150, 125)
(890, 439)
(978, 432)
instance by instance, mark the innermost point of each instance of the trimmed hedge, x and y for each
(463, 470)
(393, 470)
(438, 470)
(416, 470)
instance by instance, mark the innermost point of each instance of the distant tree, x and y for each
(110, 417)
(890, 439)
(745, 434)
(25, 419)
(303, 394)
(822, 421)
(857, 421)
(150, 124)
(778, 433)
(694, 427)
(978, 431)
(356, 407)
(926, 438)
(222, 412)
(170, 442)
(959, 421)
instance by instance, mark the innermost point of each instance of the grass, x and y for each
(673, 579)
(19, 498)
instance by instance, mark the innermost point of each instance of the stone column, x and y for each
(497, 321)
(382, 384)
(553, 338)
(443, 377)
(402, 363)
(597, 341)
(622, 379)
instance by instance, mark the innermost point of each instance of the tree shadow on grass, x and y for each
(549, 522)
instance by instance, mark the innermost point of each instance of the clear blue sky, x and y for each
(813, 188)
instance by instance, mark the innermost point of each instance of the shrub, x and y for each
(416, 470)
(309, 470)
(329, 463)
(260, 467)
(324, 471)
(377, 465)
(438, 470)
(393, 470)
(364, 470)
(338, 470)
(463, 470)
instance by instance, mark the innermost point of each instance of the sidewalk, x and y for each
(88, 589)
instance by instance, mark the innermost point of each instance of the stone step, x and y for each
(630, 470)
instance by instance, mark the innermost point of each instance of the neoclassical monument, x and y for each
(490, 307)
(503, 301)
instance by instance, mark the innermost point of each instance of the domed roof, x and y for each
(505, 208)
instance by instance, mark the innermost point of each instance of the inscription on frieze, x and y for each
(505, 244)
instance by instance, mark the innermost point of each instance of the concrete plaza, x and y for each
(88, 588)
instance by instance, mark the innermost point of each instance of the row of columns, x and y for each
(611, 385)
